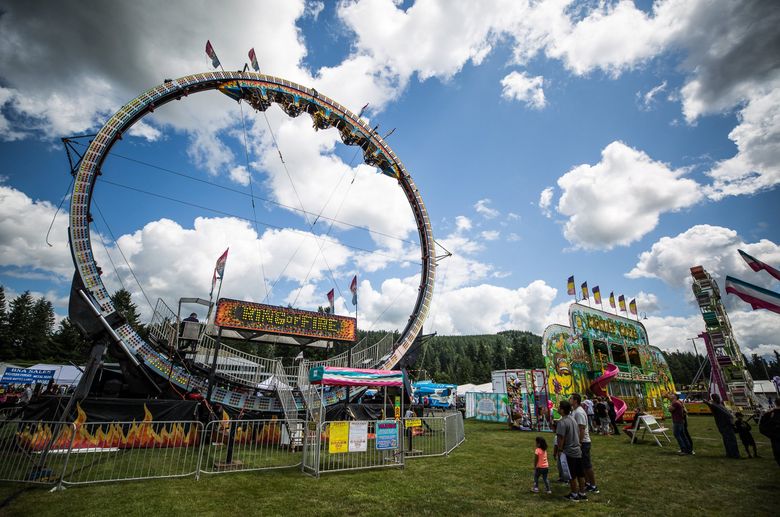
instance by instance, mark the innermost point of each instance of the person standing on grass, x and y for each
(678, 424)
(541, 465)
(612, 416)
(742, 428)
(581, 417)
(602, 416)
(725, 424)
(685, 429)
(769, 426)
(587, 404)
(568, 443)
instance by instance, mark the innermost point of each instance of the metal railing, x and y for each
(326, 450)
(64, 454)
(433, 435)
(370, 356)
(34, 452)
(248, 445)
(289, 406)
(124, 451)
(233, 364)
(163, 325)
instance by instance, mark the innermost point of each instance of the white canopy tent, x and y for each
(479, 388)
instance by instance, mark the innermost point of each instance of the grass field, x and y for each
(490, 474)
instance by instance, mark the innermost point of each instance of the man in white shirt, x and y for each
(581, 417)
(587, 404)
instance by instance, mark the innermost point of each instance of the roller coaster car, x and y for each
(320, 120)
(258, 101)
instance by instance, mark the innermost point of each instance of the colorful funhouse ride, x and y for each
(606, 355)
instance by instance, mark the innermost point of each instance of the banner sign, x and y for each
(489, 407)
(358, 436)
(416, 422)
(340, 376)
(236, 314)
(26, 376)
(386, 435)
(338, 440)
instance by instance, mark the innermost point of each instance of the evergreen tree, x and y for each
(20, 324)
(124, 305)
(68, 343)
(5, 345)
(41, 328)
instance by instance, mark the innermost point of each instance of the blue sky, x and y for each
(621, 142)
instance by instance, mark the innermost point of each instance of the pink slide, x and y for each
(597, 387)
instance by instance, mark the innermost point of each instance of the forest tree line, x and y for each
(29, 333)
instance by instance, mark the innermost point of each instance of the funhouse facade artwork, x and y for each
(605, 353)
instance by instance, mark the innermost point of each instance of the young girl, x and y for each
(541, 466)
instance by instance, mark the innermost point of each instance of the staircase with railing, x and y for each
(162, 329)
(255, 372)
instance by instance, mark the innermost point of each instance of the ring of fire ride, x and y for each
(259, 91)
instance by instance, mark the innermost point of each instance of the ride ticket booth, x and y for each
(332, 446)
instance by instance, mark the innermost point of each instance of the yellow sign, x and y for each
(338, 441)
(397, 413)
(413, 423)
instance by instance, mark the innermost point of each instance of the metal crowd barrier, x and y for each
(124, 451)
(327, 450)
(73, 454)
(34, 452)
(244, 445)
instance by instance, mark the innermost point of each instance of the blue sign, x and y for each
(26, 376)
(386, 435)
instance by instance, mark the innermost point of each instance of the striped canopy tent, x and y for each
(339, 376)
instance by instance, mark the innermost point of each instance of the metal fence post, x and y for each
(60, 486)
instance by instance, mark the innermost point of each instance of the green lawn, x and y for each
(490, 474)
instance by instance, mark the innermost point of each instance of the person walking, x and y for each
(581, 417)
(568, 443)
(678, 424)
(724, 421)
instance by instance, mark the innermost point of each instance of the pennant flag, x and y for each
(597, 295)
(213, 283)
(757, 297)
(219, 269)
(331, 294)
(612, 299)
(756, 265)
(584, 288)
(253, 60)
(213, 55)
(632, 306)
(622, 302)
(353, 289)
(299, 357)
(570, 286)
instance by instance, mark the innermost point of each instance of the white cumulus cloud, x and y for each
(521, 87)
(619, 200)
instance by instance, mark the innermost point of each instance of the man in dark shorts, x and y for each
(581, 417)
(568, 443)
